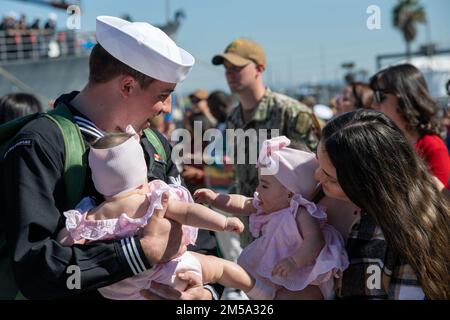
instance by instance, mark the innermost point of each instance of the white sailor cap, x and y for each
(144, 48)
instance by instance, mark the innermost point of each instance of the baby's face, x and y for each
(274, 196)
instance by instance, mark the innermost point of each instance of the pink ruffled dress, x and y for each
(277, 238)
(124, 226)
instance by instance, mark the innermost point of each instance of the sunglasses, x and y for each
(195, 100)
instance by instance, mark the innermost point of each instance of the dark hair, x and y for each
(111, 140)
(219, 104)
(103, 67)
(362, 93)
(16, 105)
(381, 173)
(415, 104)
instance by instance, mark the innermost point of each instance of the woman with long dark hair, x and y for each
(402, 94)
(398, 248)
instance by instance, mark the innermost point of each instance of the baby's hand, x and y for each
(205, 196)
(234, 225)
(284, 267)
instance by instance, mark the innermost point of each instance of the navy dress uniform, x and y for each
(33, 193)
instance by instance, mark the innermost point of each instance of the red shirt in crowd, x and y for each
(434, 151)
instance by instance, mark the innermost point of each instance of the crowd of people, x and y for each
(22, 39)
(352, 204)
(12, 21)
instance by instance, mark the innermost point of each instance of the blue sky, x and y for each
(305, 41)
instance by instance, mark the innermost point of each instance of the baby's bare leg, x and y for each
(65, 239)
(227, 273)
(309, 293)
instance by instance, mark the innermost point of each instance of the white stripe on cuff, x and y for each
(133, 256)
(136, 252)
(128, 256)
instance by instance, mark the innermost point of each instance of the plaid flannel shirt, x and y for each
(375, 270)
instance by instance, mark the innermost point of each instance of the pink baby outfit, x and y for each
(124, 226)
(278, 237)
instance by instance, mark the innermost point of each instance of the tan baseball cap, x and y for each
(241, 52)
(200, 94)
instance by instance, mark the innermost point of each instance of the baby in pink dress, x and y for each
(119, 172)
(294, 247)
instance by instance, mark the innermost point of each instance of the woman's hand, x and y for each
(205, 196)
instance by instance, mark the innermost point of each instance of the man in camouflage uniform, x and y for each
(259, 108)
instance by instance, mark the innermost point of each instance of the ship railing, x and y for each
(20, 45)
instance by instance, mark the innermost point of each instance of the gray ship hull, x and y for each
(47, 78)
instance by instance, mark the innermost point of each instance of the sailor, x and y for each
(133, 70)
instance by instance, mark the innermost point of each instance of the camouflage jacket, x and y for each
(275, 111)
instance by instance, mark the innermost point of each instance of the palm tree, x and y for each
(406, 15)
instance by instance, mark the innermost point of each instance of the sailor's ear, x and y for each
(127, 84)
